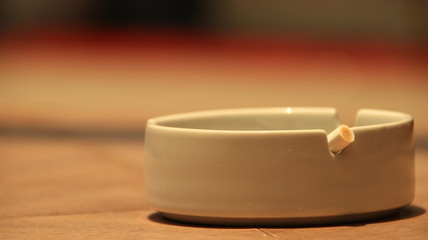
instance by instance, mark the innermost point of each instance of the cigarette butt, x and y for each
(340, 138)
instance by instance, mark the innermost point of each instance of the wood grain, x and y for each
(146, 225)
(124, 225)
(68, 176)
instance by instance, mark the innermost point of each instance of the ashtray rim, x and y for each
(159, 122)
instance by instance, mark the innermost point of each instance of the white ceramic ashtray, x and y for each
(278, 166)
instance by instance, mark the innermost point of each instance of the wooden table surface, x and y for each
(74, 188)
(72, 125)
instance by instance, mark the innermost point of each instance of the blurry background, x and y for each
(92, 67)
(79, 79)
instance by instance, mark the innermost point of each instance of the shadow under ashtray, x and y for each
(406, 212)
(403, 213)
